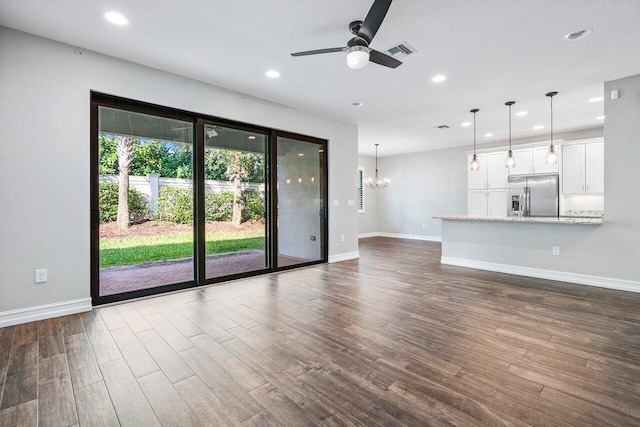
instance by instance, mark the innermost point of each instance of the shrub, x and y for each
(218, 206)
(253, 206)
(175, 205)
(108, 203)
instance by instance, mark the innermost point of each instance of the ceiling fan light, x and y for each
(357, 57)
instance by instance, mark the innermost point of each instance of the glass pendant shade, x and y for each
(510, 161)
(475, 163)
(552, 156)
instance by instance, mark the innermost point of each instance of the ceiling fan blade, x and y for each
(374, 19)
(319, 51)
(383, 59)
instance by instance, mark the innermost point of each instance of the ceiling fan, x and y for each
(358, 51)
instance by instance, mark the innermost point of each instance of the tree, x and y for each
(108, 158)
(125, 148)
(236, 173)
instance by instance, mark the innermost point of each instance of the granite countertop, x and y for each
(537, 220)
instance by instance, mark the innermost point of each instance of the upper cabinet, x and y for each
(524, 162)
(583, 168)
(532, 160)
(492, 173)
(539, 163)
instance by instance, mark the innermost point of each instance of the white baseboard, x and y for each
(40, 312)
(561, 276)
(344, 257)
(400, 236)
(365, 235)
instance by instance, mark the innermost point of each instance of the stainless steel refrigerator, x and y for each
(533, 195)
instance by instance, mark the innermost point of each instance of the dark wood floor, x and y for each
(392, 339)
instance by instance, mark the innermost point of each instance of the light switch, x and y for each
(336, 203)
(351, 202)
(615, 94)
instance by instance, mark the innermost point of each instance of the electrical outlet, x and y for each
(336, 203)
(342, 237)
(555, 250)
(351, 202)
(41, 275)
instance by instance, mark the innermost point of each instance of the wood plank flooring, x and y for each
(392, 339)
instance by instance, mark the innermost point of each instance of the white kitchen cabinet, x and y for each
(488, 185)
(532, 160)
(492, 203)
(583, 168)
(523, 162)
(594, 168)
(497, 203)
(539, 165)
(496, 172)
(492, 173)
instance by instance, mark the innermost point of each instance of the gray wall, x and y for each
(368, 221)
(422, 185)
(611, 250)
(44, 138)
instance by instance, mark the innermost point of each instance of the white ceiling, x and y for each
(492, 51)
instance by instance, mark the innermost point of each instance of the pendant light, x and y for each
(510, 161)
(377, 184)
(552, 156)
(475, 163)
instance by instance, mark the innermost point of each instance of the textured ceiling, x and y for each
(492, 51)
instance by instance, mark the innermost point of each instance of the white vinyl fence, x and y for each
(149, 186)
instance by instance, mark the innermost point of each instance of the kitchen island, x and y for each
(548, 248)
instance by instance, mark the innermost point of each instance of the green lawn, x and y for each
(134, 250)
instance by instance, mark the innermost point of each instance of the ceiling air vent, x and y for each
(400, 50)
(443, 127)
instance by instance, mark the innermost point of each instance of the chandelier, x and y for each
(376, 183)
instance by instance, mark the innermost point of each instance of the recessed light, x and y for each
(596, 99)
(116, 18)
(272, 74)
(538, 127)
(251, 137)
(466, 124)
(439, 78)
(488, 135)
(600, 118)
(300, 154)
(522, 113)
(577, 35)
(357, 104)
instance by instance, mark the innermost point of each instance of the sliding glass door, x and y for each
(179, 199)
(302, 208)
(145, 197)
(235, 213)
